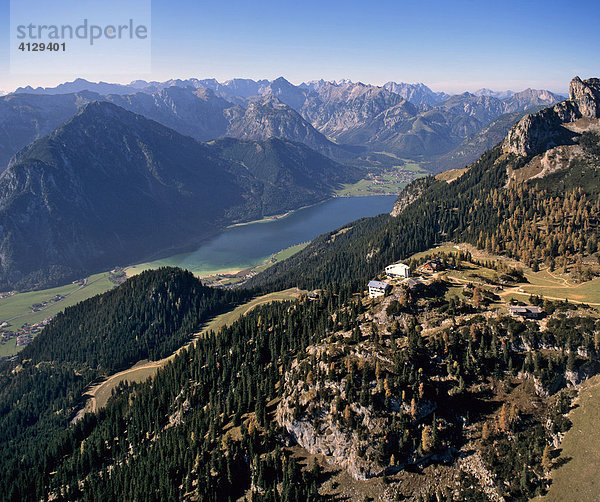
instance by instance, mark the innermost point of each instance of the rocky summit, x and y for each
(540, 131)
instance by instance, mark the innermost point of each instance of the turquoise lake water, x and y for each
(249, 245)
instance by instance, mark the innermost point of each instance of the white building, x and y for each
(377, 288)
(397, 270)
(528, 312)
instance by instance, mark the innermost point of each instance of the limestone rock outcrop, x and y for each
(537, 132)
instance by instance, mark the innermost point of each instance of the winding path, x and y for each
(98, 395)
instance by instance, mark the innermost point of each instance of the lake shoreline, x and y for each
(222, 259)
(248, 246)
(275, 217)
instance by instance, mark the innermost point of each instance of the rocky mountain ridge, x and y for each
(196, 112)
(407, 120)
(538, 132)
(418, 93)
(270, 118)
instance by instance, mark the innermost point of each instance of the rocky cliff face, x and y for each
(339, 400)
(346, 112)
(338, 443)
(410, 194)
(540, 131)
(586, 94)
(321, 430)
(198, 113)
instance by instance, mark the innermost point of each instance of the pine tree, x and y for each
(546, 459)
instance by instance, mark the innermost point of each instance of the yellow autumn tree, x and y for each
(413, 408)
(427, 443)
(504, 418)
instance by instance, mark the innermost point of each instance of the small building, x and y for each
(527, 312)
(378, 288)
(395, 270)
(314, 295)
(24, 339)
(432, 266)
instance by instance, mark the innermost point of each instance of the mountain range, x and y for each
(273, 147)
(110, 186)
(406, 120)
(459, 383)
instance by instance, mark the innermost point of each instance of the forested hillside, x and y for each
(551, 220)
(111, 332)
(381, 387)
(147, 317)
(161, 439)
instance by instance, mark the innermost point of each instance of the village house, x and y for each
(527, 312)
(431, 266)
(24, 339)
(397, 270)
(378, 288)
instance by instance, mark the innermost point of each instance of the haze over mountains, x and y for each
(407, 120)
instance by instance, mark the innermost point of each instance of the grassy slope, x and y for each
(143, 370)
(451, 175)
(542, 283)
(576, 477)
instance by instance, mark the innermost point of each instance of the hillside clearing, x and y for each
(141, 371)
(553, 286)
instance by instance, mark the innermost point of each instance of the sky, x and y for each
(450, 46)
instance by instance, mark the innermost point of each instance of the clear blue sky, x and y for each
(448, 45)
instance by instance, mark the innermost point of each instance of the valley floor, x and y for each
(18, 310)
(23, 312)
(389, 181)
